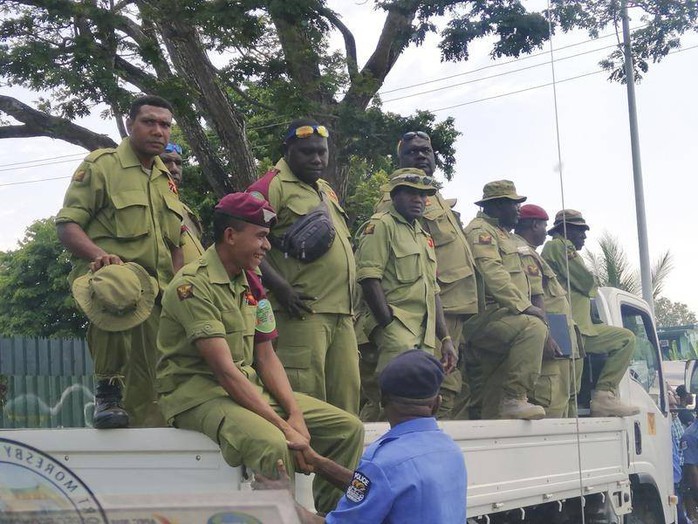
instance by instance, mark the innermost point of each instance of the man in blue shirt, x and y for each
(689, 446)
(401, 476)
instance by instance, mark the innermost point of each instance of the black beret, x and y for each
(414, 374)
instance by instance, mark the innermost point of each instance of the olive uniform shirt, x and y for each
(204, 302)
(401, 255)
(498, 260)
(455, 263)
(559, 253)
(125, 210)
(332, 277)
(191, 236)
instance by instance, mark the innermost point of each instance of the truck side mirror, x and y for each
(691, 376)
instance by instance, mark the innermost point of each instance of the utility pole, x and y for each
(645, 269)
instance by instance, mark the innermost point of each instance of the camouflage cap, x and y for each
(571, 217)
(500, 189)
(116, 297)
(411, 177)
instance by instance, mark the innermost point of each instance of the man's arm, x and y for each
(291, 299)
(449, 357)
(75, 240)
(177, 258)
(376, 301)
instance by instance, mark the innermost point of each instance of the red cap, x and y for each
(248, 208)
(532, 211)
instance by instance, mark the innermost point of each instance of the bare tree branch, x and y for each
(37, 123)
(349, 41)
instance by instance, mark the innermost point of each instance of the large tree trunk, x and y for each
(191, 61)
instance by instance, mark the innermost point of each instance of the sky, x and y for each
(504, 135)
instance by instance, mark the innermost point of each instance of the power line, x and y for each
(34, 181)
(531, 88)
(41, 160)
(38, 165)
(513, 61)
(498, 74)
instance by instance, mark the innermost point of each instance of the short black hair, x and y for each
(222, 221)
(148, 100)
(681, 391)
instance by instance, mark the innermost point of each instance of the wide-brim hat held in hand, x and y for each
(116, 297)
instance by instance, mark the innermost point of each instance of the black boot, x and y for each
(109, 413)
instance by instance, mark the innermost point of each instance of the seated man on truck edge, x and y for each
(414, 473)
(396, 267)
(218, 373)
(507, 339)
(569, 233)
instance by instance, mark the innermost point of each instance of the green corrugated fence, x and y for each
(45, 383)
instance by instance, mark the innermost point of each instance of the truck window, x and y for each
(645, 368)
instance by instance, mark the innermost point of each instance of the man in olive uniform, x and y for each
(508, 337)
(191, 225)
(553, 389)
(396, 267)
(312, 299)
(455, 265)
(569, 233)
(218, 373)
(122, 207)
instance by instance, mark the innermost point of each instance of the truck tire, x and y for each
(647, 508)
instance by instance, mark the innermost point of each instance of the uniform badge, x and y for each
(183, 229)
(250, 299)
(257, 195)
(172, 186)
(532, 270)
(185, 291)
(358, 489)
(266, 323)
(369, 229)
(484, 238)
(333, 195)
(430, 241)
(79, 176)
(571, 255)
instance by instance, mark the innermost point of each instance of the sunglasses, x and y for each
(306, 131)
(410, 135)
(173, 148)
(416, 179)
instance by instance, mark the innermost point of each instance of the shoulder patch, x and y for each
(532, 270)
(369, 229)
(79, 176)
(332, 194)
(185, 291)
(484, 238)
(571, 254)
(358, 488)
(266, 323)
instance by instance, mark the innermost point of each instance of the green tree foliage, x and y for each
(35, 298)
(611, 267)
(670, 314)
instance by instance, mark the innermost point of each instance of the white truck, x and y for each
(551, 471)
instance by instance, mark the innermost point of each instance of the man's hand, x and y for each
(449, 356)
(293, 301)
(298, 444)
(297, 422)
(551, 349)
(534, 312)
(104, 260)
(283, 482)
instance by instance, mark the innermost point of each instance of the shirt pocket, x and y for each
(171, 221)
(510, 257)
(239, 333)
(131, 218)
(440, 228)
(407, 266)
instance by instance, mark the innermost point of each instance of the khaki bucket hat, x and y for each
(570, 216)
(500, 189)
(411, 177)
(116, 297)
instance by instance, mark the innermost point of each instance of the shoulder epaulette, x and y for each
(98, 153)
(379, 215)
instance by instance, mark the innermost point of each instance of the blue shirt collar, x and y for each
(410, 426)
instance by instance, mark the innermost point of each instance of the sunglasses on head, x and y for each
(415, 134)
(306, 131)
(173, 148)
(416, 179)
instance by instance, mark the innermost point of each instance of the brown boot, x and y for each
(606, 404)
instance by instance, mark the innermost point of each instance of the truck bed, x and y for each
(511, 464)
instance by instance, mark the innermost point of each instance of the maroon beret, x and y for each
(248, 208)
(533, 211)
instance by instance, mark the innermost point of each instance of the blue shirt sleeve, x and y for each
(689, 446)
(368, 498)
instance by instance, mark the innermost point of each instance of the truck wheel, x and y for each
(647, 508)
